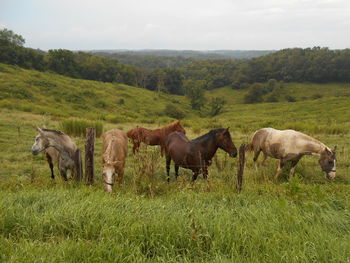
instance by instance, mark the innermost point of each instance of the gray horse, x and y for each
(63, 144)
(291, 146)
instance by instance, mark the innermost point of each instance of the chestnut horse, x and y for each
(196, 155)
(153, 137)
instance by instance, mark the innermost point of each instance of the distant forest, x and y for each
(178, 74)
(151, 59)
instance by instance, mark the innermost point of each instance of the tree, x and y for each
(216, 106)
(62, 61)
(173, 81)
(9, 37)
(254, 94)
(195, 93)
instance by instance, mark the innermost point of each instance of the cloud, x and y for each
(180, 24)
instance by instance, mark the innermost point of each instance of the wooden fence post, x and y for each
(240, 167)
(89, 155)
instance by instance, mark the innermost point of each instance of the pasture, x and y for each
(304, 219)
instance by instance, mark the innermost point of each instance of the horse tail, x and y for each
(249, 147)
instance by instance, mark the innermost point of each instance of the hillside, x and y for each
(47, 93)
(56, 95)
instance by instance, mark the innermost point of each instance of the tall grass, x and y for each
(75, 127)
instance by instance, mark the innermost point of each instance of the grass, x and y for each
(74, 127)
(304, 219)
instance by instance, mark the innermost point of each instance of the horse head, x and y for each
(108, 174)
(225, 142)
(179, 128)
(41, 142)
(328, 162)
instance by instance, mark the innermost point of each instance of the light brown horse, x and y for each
(291, 146)
(67, 149)
(153, 137)
(196, 155)
(115, 151)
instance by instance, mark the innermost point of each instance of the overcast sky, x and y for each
(178, 24)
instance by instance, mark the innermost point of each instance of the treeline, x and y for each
(86, 66)
(179, 75)
(297, 65)
(146, 61)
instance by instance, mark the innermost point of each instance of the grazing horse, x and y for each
(153, 137)
(63, 144)
(291, 146)
(115, 150)
(196, 155)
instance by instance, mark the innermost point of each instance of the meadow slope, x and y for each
(304, 219)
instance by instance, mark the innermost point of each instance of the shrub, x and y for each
(101, 104)
(317, 96)
(174, 112)
(121, 102)
(290, 98)
(78, 127)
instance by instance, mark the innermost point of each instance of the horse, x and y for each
(63, 144)
(115, 151)
(153, 137)
(196, 155)
(291, 146)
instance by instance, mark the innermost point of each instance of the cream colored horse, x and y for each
(62, 143)
(115, 151)
(291, 146)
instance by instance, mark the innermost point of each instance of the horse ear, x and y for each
(39, 130)
(334, 149)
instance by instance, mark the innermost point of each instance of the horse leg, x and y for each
(194, 176)
(168, 161)
(49, 160)
(176, 171)
(264, 159)
(256, 156)
(120, 177)
(292, 169)
(135, 146)
(279, 168)
(205, 173)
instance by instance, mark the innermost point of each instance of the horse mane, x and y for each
(53, 131)
(169, 126)
(208, 135)
(107, 154)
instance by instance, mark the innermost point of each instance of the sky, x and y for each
(178, 24)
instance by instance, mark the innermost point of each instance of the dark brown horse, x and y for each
(196, 155)
(153, 137)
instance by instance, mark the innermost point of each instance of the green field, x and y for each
(304, 219)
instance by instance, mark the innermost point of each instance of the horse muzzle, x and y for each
(35, 152)
(331, 175)
(233, 154)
